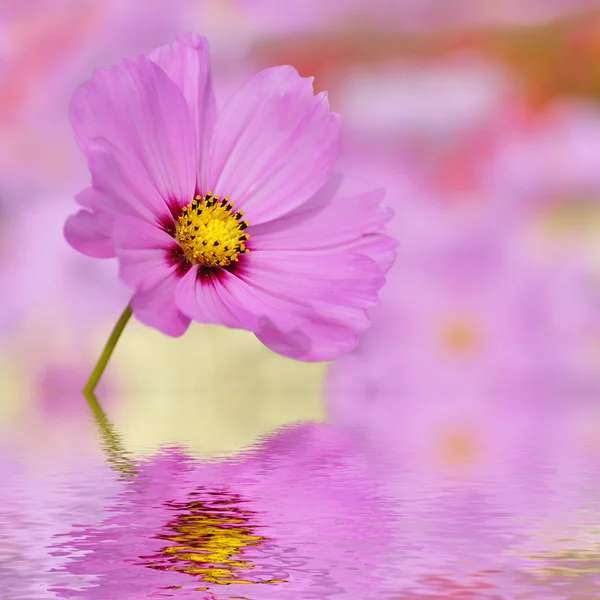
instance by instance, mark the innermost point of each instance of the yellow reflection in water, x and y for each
(208, 537)
(561, 552)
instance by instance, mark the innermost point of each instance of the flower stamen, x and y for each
(210, 234)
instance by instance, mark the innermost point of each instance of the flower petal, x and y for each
(301, 331)
(145, 252)
(187, 63)
(338, 278)
(126, 190)
(342, 211)
(378, 247)
(146, 262)
(143, 116)
(318, 341)
(330, 291)
(90, 234)
(96, 201)
(273, 146)
(156, 306)
(225, 298)
(204, 298)
(300, 323)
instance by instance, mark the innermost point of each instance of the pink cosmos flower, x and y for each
(233, 216)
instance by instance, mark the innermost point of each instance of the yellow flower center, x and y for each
(210, 233)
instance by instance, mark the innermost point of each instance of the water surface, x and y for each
(309, 510)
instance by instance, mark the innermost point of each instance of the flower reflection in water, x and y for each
(298, 514)
(209, 534)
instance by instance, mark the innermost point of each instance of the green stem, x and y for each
(117, 455)
(90, 386)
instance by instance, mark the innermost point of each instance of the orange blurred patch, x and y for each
(553, 59)
(458, 447)
(459, 337)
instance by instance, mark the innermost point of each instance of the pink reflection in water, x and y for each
(314, 512)
(298, 513)
(37, 501)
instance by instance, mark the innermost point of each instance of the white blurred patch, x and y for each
(430, 101)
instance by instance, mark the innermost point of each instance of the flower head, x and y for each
(233, 216)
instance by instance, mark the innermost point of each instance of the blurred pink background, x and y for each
(480, 118)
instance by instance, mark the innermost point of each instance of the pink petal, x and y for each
(327, 331)
(302, 321)
(204, 298)
(295, 344)
(125, 188)
(90, 234)
(339, 278)
(286, 314)
(328, 290)
(145, 123)
(344, 214)
(96, 201)
(156, 306)
(226, 299)
(378, 247)
(187, 63)
(145, 262)
(273, 146)
(296, 329)
(145, 252)
(342, 211)
(317, 341)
